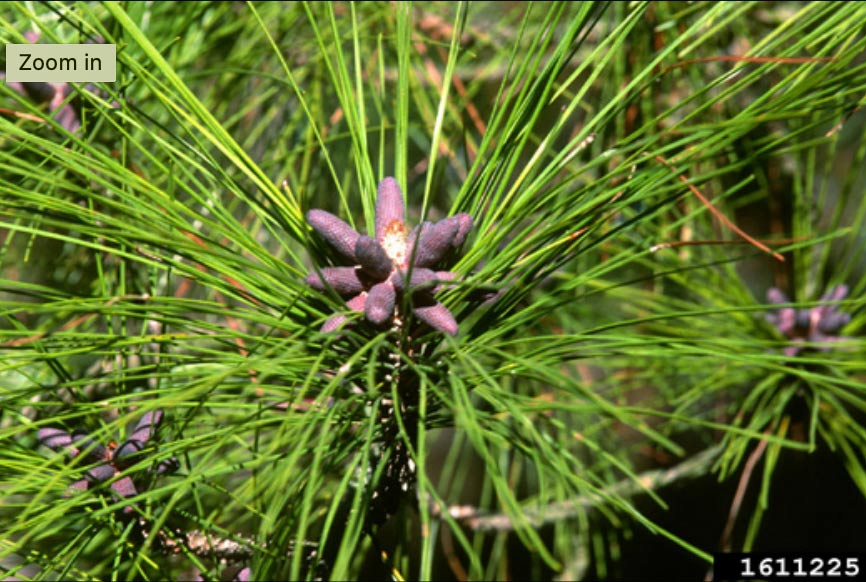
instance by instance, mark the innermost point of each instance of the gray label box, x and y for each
(61, 63)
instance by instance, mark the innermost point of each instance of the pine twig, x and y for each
(479, 520)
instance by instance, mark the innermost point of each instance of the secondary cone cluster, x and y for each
(812, 326)
(108, 461)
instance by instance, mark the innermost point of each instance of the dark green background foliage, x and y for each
(614, 385)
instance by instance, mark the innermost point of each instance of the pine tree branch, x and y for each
(478, 519)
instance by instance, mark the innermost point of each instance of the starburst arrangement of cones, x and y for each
(395, 263)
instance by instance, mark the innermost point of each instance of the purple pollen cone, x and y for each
(147, 425)
(54, 438)
(125, 487)
(434, 241)
(420, 279)
(128, 448)
(344, 280)
(380, 303)
(438, 317)
(339, 234)
(464, 225)
(373, 258)
(356, 303)
(389, 207)
(101, 473)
